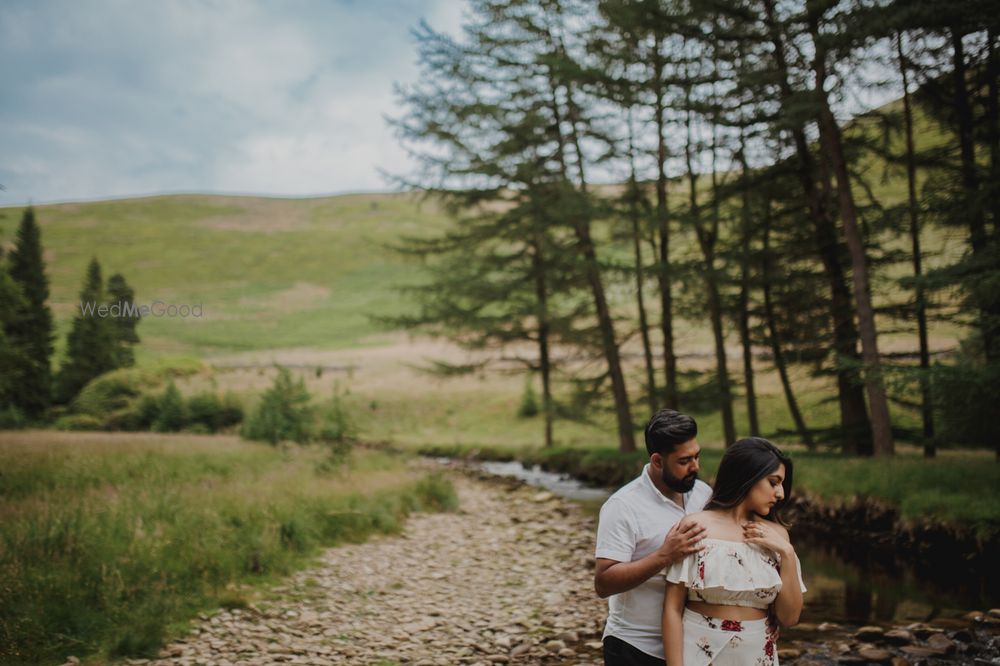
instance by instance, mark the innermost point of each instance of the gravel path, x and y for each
(506, 579)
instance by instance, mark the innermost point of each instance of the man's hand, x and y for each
(681, 541)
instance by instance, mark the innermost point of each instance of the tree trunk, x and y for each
(670, 393)
(706, 240)
(854, 423)
(775, 340)
(963, 109)
(634, 213)
(585, 245)
(541, 293)
(926, 404)
(744, 296)
(830, 136)
(993, 124)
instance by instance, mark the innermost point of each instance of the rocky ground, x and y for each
(508, 578)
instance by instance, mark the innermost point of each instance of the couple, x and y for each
(731, 574)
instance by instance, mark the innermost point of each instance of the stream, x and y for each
(852, 586)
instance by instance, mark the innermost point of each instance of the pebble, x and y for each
(875, 654)
(468, 588)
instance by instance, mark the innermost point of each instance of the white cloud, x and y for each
(116, 98)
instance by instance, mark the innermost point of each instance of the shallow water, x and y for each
(849, 583)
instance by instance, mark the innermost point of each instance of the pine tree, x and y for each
(12, 355)
(123, 320)
(90, 347)
(32, 329)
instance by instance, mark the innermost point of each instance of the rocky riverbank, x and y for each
(508, 578)
(505, 580)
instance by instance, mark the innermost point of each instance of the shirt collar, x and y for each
(663, 498)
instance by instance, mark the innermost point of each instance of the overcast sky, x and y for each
(111, 98)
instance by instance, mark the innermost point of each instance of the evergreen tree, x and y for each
(31, 330)
(12, 355)
(90, 345)
(123, 320)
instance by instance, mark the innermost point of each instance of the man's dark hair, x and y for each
(667, 429)
(745, 463)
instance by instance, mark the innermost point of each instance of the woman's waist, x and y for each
(727, 612)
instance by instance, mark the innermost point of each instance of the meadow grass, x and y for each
(110, 543)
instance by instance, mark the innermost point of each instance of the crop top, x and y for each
(731, 573)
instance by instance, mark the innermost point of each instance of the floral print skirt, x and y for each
(710, 640)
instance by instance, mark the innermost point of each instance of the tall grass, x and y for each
(109, 544)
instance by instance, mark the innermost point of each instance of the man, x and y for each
(638, 537)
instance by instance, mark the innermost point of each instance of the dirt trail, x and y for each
(506, 579)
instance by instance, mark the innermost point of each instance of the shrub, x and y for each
(230, 411)
(282, 414)
(78, 422)
(172, 415)
(529, 405)
(11, 418)
(203, 410)
(335, 424)
(966, 396)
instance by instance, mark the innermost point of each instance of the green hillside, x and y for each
(269, 273)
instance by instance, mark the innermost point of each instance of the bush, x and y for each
(79, 422)
(172, 415)
(966, 396)
(11, 418)
(529, 405)
(203, 409)
(282, 414)
(230, 411)
(335, 424)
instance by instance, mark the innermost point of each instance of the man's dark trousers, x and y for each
(619, 653)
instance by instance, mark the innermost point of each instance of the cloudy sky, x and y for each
(111, 98)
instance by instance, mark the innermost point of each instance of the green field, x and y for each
(109, 542)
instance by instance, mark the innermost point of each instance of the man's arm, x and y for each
(614, 577)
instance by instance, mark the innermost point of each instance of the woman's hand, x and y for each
(768, 535)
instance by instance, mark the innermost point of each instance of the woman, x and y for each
(721, 602)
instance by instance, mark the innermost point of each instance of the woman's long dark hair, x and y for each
(745, 463)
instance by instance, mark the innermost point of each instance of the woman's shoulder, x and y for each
(700, 517)
(779, 528)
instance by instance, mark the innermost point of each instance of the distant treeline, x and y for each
(756, 195)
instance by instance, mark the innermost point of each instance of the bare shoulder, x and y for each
(703, 518)
(781, 529)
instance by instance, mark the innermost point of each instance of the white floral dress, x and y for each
(730, 573)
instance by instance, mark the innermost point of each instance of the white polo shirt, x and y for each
(633, 523)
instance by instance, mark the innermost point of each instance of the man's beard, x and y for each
(678, 485)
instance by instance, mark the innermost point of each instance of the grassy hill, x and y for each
(269, 273)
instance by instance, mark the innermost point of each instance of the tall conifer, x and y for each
(32, 329)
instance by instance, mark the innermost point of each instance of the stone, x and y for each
(523, 648)
(869, 633)
(899, 661)
(828, 626)
(569, 637)
(919, 651)
(898, 637)
(789, 653)
(555, 645)
(875, 654)
(941, 643)
(994, 612)
(963, 635)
